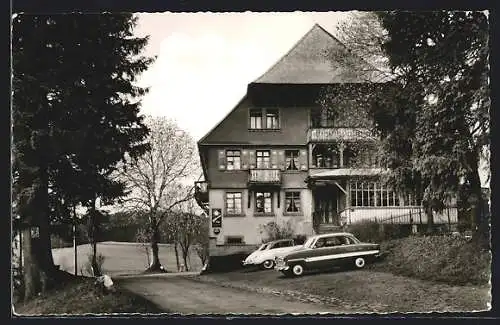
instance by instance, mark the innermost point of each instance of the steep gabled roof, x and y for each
(311, 61)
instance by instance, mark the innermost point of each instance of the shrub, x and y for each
(450, 259)
(372, 231)
(300, 239)
(273, 231)
(366, 231)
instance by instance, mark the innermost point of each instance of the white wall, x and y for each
(248, 225)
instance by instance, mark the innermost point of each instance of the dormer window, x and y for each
(272, 119)
(256, 118)
(264, 118)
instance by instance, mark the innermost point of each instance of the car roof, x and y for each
(333, 234)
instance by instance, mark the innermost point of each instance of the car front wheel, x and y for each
(359, 262)
(298, 269)
(269, 264)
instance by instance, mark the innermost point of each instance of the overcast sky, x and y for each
(206, 60)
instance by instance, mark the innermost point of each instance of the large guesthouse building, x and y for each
(279, 156)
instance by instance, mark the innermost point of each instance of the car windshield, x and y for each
(263, 246)
(309, 242)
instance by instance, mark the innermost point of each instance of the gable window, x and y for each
(256, 118)
(272, 119)
(263, 159)
(292, 159)
(263, 202)
(292, 202)
(233, 203)
(233, 160)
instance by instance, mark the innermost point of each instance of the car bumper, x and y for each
(246, 263)
(282, 268)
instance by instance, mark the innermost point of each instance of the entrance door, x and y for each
(325, 204)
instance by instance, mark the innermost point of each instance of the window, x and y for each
(263, 202)
(325, 156)
(263, 159)
(346, 240)
(272, 119)
(332, 241)
(281, 244)
(322, 117)
(233, 159)
(292, 201)
(370, 194)
(234, 240)
(256, 118)
(292, 159)
(233, 203)
(259, 116)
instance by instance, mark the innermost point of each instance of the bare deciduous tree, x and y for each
(155, 179)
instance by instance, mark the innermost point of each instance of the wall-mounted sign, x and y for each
(216, 218)
(35, 232)
(216, 231)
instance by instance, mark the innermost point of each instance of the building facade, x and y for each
(278, 156)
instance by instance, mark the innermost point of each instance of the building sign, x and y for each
(35, 232)
(216, 218)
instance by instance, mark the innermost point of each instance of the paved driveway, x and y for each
(187, 296)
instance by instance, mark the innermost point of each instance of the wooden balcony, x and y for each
(338, 134)
(264, 177)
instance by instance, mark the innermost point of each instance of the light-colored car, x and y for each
(266, 254)
(326, 251)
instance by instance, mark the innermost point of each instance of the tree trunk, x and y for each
(430, 220)
(96, 268)
(30, 270)
(93, 228)
(480, 222)
(41, 272)
(177, 257)
(155, 265)
(186, 261)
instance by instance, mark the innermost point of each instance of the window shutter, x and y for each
(244, 159)
(303, 159)
(281, 159)
(252, 162)
(274, 159)
(222, 160)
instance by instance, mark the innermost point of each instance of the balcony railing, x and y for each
(265, 176)
(338, 134)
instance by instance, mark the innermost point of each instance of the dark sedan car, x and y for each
(326, 251)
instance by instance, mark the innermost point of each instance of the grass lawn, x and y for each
(120, 258)
(80, 296)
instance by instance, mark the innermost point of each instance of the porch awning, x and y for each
(343, 172)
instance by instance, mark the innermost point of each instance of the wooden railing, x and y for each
(338, 134)
(265, 176)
